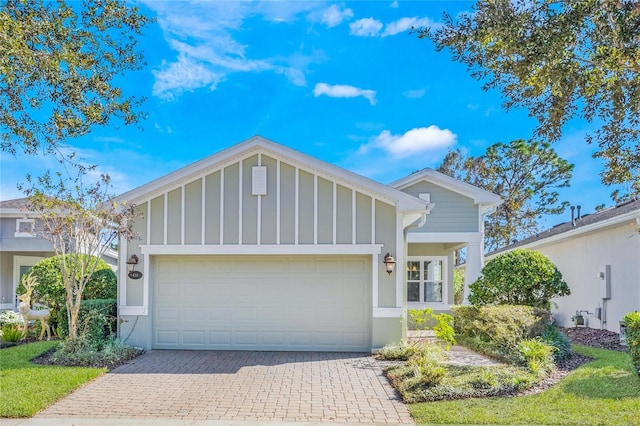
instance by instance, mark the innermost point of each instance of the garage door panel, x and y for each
(266, 303)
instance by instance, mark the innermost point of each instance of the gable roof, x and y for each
(621, 213)
(17, 207)
(485, 199)
(257, 144)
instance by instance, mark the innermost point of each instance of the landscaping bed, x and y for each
(595, 338)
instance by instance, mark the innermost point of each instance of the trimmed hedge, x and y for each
(498, 330)
(96, 320)
(632, 323)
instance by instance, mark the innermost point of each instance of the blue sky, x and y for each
(344, 82)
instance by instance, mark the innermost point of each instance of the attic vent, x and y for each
(425, 196)
(259, 180)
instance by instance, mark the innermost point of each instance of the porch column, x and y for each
(473, 266)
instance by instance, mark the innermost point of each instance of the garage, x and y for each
(240, 302)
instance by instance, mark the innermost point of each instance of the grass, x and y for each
(27, 388)
(604, 391)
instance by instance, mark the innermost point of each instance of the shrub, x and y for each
(519, 277)
(554, 337)
(497, 330)
(536, 355)
(427, 370)
(397, 352)
(442, 324)
(81, 352)
(632, 324)
(11, 333)
(50, 291)
(10, 317)
(96, 321)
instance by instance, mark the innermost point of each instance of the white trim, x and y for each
(145, 282)
(375, 280)
(240, 191)
(277, 201)
(335, 212)
(19, 261)
(28, 234)
(373, 220)
(132, 310)
(166, 217)
(296, 202)
(315, 209)
(400, 259)
(149, 222)
(203, 206)
(388, 312)
(122, 272)
(183, 209)
(353, 216)
(287, 249)
(221, 206)
(444, 237)
(445, 280)
(259, 206)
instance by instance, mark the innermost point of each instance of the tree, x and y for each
(525, 174)
(519, 277)
(560, 60)
(81, 222)
(58, 70)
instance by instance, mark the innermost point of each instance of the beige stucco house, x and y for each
(599, 257)
(22, 246)
(261, 247)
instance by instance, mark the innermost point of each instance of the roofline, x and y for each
(487, 200)
(596, 226)
(404, 201)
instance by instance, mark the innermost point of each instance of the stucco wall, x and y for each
(580, 260)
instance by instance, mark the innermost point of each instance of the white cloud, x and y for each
(334, 16)
(415, 93)
(415, 141)
(203, 36)
(404, 25)
(365, 27)
(344, 91)
(394, 5)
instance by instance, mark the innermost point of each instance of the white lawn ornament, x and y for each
(41, 314)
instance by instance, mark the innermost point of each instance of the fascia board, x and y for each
(402, 200)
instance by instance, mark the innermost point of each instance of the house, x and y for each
(261, 247)
(599, 257)
(21, 248)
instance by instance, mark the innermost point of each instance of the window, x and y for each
(25, 228)
(426, 279)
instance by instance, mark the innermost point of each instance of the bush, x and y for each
(11, 333)
(397, 352)
(96, 321)
(10, 317)
(426, 368)
(632, 324)
(81, 352)
(519, 277)
(536, 355)
(442, 324)
(554, 337)
(497, 330)
(50, 290)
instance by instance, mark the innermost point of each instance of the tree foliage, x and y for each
(525, 174)
(560, 60)
(81, 222)
(59, 68)
(102, 284)
(518, 277)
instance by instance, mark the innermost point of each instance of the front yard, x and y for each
(604, 391)
(27, 388)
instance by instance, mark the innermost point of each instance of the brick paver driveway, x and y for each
(235, 385)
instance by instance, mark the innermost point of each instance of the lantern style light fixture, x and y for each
(389, 262)
(133, 274)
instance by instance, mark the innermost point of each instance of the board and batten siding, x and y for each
(453, 212)
(302, 206)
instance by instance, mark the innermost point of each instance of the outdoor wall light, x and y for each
(133, 274)
(389, 262)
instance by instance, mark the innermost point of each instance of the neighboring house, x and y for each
(21, 248)
(260, 247)
(599, 257)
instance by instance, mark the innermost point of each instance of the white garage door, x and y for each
(297, 303)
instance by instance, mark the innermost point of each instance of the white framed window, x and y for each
(427, 280)
(25, 228)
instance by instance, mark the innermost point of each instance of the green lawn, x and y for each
(27, 388)
(604, 391)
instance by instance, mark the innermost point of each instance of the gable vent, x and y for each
(259, 180)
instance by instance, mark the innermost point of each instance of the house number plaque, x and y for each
(135, 275)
